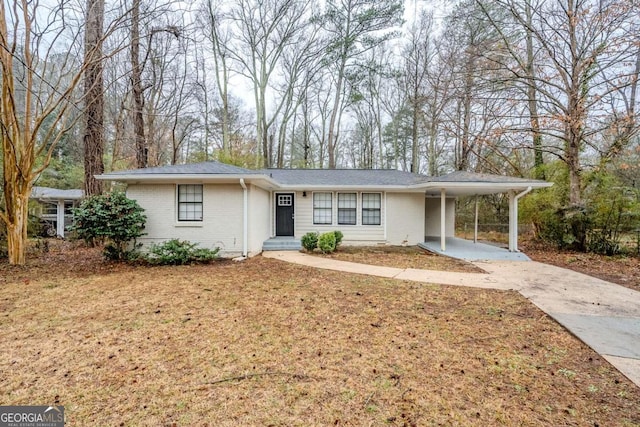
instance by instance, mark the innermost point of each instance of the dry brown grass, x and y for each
(400, 257)
(268, 343)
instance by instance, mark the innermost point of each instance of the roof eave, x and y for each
(328, 187)
(497, 185)
(178, 178)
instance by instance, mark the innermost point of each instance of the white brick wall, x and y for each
(432, 217)
(405, 218)
(222, 224)
(259, 219)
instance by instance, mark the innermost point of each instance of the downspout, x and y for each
(245, 217)
(385, 217)
(443, 219)
(513, 220)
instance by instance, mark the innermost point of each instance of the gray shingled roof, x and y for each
(340, 177)
(207, 168)
(323, 177)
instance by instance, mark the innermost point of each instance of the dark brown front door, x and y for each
(284, 214)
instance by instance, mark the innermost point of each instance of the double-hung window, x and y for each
(190, 202)
(322, 208)
(347, 204)
(371, 203)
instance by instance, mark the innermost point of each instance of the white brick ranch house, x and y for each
(244, 211)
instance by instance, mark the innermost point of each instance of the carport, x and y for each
(458, 184)
(469, 250)
(56, 205)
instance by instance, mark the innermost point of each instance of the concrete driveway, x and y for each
(605, 316)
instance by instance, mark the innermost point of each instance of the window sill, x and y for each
(193, 224)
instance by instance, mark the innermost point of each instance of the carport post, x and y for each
(60, 218)
(475, 224)
(513, 219)
(443, 219)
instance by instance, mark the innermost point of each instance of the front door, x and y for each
(284, 214)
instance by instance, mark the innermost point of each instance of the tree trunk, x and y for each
(94, 99)
(332, 137)
(415, 166)
(17, 236)
(532, 94)
(136, 87)
(433, 165)
(17, 190)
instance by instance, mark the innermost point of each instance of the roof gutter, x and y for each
(503, 186)
(245, 217)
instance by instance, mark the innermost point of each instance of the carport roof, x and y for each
(461, 183)
(48, 193)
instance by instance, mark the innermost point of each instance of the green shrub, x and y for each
(179, 252)
(339, 237)
(327, 242)
(310, 241)
(608, 213)
(111, 218)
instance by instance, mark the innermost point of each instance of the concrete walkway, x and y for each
(603, 315)
(470, 251)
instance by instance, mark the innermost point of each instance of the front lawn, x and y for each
(267, 343)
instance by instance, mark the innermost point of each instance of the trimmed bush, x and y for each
(339, 237)
(327, 242)
(110, 218)
(310, 241)
(179, 252)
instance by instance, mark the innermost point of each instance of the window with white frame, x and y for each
(190, 202)
(371, 203)
(347, 204)
(322, 208)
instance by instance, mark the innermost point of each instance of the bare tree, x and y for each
(584, 50)
(38, 84)
(265, 29)
(218, 36)
(354, 27)
(418, 54)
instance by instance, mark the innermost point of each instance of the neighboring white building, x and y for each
(244, 211)
(55, 208)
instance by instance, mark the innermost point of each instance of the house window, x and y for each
(347, 203)
(371, 208)
(190, 202)
(322, 208)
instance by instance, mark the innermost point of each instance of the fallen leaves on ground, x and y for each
(623, 270)
(267, 343)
